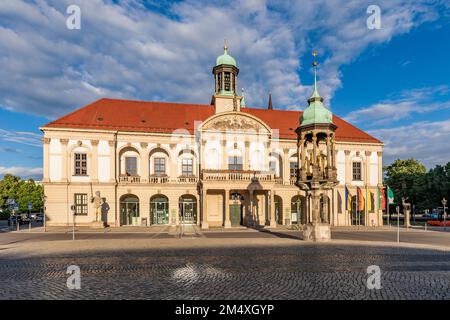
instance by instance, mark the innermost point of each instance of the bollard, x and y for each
(426, 226)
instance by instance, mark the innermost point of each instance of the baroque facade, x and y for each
(221, 164)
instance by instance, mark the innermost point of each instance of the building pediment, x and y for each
(235, 121)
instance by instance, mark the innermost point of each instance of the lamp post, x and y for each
(398, 223)
(444, 203)
(72, 207)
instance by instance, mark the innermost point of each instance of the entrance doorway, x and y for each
(278, 209)
(236, 209)
(188, 209)
(296, 210)
(159, 209)
(129, 209)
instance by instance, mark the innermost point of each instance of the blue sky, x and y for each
(392, 82)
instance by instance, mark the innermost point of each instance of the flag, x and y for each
(348, 199)
(381, 198)
(369, 200)
(390, 195)
(360, 199)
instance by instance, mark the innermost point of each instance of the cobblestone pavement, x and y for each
(200, 268)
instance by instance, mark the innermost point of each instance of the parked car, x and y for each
(432, 216)
(39, 217)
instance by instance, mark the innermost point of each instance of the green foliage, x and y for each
(409, 178)
(12, 187)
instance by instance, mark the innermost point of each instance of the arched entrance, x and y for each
(188, 209)
(278, 209)
(129, 210)
(296, 210)
(159, 209)
(236, 209)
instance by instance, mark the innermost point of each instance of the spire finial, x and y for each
(314, 53)
(225, 47)
(269, 105)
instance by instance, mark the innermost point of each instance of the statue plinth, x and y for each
(319, 232)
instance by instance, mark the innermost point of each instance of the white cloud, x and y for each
(125, 51)
(403, 105)
(426, 141)
(24, 172)
(26, 138)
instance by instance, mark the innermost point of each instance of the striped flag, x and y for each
(348, 199)
(390, 195)
(360, 199)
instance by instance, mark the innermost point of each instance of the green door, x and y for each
(235, 214)
(160, 211)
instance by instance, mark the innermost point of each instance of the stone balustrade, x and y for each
(230, 175)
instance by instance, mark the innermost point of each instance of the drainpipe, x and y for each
(115, 179)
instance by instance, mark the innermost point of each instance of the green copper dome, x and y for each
(225, 58)
(316, 111)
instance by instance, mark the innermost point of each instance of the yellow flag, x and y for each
(369, 200)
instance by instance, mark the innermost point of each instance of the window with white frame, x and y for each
(131, 166)
(80, 164)
(159, 166)
(235, 163)
(187, 167)
(293, 168)
(81, 204)
(273, 167)
(357, 171)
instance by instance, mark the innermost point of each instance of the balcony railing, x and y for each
(187, 179)
(238, 175)
(158, 179)
(129, 179)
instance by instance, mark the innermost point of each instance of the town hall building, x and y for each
(216, 165)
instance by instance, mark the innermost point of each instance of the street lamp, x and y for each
(444, 203)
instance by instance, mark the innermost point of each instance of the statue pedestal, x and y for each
(97, 224)
(407, 218)
(317, 232)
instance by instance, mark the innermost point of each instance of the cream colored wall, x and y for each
(60, 193)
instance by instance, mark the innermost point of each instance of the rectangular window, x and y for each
(160, 166)
(227, 82)
(81, 204)
(80, 164)
(234, 163)
(293, 169)
(273, 167)
(131, 166)
(357, 171)
(187, 167)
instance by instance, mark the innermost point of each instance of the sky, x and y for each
(392, 81)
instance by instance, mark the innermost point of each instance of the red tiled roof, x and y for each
(165, 117)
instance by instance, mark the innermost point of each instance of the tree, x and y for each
(408, 178)
(405, 178)
(12, 187)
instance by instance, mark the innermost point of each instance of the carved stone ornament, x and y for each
(234, 122)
